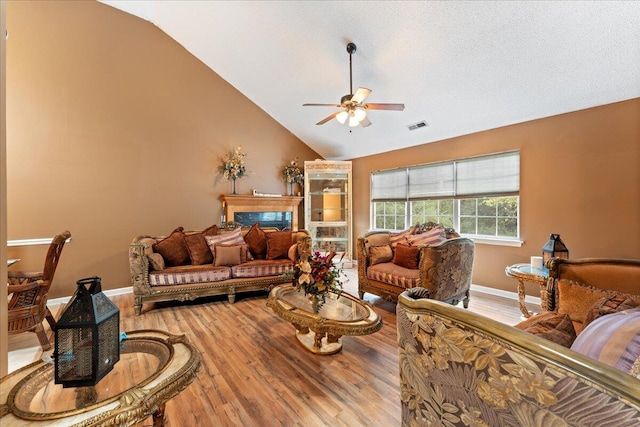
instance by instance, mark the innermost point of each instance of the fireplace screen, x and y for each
(280, 220)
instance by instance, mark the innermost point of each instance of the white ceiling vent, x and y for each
(422, 124)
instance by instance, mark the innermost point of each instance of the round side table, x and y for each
(154, 367)
(527, 273)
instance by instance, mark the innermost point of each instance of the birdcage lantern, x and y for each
(554, 248)
(87, 336)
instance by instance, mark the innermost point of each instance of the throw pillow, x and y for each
(380, 254)
(401, 237)
(278, 244)
(613, 339)
(173, 248)
(227, 255)
(406, 256)
(257, 241)
(552, 326)
(609, 305)
(435, 236)
(199, 251)
(156, 261)
(226, 238)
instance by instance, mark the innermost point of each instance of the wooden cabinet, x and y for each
(327, 196)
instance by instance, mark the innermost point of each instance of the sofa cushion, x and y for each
(173, 248)
(278, 244)
(576, 299)
(401, 237)
(156, 261)
(189, 274)
(395, 275)
(552, 326)
(381, 253)
(226, 238)
(613, 339)
(609, 305)
(257, 241)
(406, 256)
(228, 255)
(262, 268)
(199, 251)
(432, 237)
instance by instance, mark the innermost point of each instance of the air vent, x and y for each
(422, 124)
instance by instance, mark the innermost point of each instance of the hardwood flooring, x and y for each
(254, 373)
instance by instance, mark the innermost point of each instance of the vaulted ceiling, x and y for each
(462, 66)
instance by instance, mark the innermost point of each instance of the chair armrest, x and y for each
(469, 356)
(24, 286)
(25, 274)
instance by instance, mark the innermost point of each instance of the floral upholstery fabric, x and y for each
(447, 268)
(453, 374)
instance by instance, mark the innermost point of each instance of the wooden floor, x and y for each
(254, 373)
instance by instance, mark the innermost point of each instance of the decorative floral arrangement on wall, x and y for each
(317, 275)
(293, 174)
(233, 166)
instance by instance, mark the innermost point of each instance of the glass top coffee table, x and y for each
(322, 333)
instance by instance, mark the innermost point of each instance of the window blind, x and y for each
(489, 175)
(432, 181)
(389, 185)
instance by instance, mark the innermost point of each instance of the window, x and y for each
(477, 196)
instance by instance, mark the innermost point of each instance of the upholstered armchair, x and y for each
(29, 293)
(443, 267)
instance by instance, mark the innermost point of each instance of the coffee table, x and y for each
(322, 333)
(154, 366)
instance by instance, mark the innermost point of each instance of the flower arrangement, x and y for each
(233, 166)
(293, 174)
(317, 276)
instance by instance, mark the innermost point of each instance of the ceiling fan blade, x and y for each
(393, 107)
(326, 119)
(365, 122)
(360, 95)
(322, 105)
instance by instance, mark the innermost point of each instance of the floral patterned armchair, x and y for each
(458, 368)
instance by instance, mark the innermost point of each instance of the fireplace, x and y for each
(269, 211)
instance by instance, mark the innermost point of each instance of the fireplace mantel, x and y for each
(233, 203)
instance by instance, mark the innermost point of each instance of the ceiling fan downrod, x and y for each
(351, 48)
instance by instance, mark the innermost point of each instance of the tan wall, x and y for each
(115, 130)
(3, 193)
(579, 177)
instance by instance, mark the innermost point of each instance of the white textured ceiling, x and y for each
(463, 66)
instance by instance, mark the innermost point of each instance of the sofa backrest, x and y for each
(620, 275)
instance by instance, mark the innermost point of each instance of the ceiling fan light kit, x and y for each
(352, 105)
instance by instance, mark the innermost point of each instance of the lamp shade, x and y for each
(360, 114)
(87, 336)
(342, 116)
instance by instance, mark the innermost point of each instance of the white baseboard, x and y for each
(504, 294)
(110, 292)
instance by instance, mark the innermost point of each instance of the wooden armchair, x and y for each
(28, 290)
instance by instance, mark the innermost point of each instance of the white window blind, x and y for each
(490, 175)
(432, 181)
(389, 185)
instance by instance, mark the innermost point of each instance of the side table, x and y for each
(527, 273)
(154, 367)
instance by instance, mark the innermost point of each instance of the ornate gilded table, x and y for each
(321, 333)
(154, 366)
(527, 273)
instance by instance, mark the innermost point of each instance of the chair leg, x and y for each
(42, 337)
(50, 319)
(465, 301)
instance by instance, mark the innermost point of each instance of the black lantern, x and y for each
(554, 248)
(87, 336)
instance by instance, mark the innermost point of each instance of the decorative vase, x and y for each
(291, 188)
(234, 186)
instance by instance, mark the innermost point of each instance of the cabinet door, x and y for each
(328, 206)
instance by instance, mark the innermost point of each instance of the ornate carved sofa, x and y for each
(237, 261)
(459, 368)
(443, 263)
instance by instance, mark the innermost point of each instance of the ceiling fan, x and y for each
(352, 107)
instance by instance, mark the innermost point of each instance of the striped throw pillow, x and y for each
(225, 239)
(401, 237)
(435, 236)
(613, 339)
